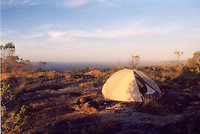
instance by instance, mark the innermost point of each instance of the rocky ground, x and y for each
(74, 110)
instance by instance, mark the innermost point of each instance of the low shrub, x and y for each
(153, 107)
(14, 116)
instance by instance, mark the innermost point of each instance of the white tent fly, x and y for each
(129, 85)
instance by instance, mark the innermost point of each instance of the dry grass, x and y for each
(86, 84)
(95, 73)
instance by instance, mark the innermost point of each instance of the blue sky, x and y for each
(101, 30)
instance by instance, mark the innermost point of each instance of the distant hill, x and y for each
(162, 63)
(64, 66)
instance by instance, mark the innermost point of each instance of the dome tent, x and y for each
(129, 85)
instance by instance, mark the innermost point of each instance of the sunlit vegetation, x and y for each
(19, 78)
(15, 116)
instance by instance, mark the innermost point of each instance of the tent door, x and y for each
(141, 85)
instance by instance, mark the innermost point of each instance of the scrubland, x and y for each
(51, 102)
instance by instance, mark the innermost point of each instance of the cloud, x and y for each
(37, 32)
(102, 0)
(45, 26)
(123, 33)
(128, 32)
(76, 3)
(7, 2)
(33, 35)
(11, 3)
(8, 33)
(26, 1)
(58, 36)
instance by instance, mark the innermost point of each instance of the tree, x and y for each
(134, 60)
(195, 60)
(28, 65)
(7, 50)
(196, 56)
(191, 62)
(10, 63)
(8, 59)
(41, 64)
(178, 54)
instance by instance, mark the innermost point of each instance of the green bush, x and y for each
(14, 117)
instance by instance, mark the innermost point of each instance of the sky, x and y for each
(101, 30)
